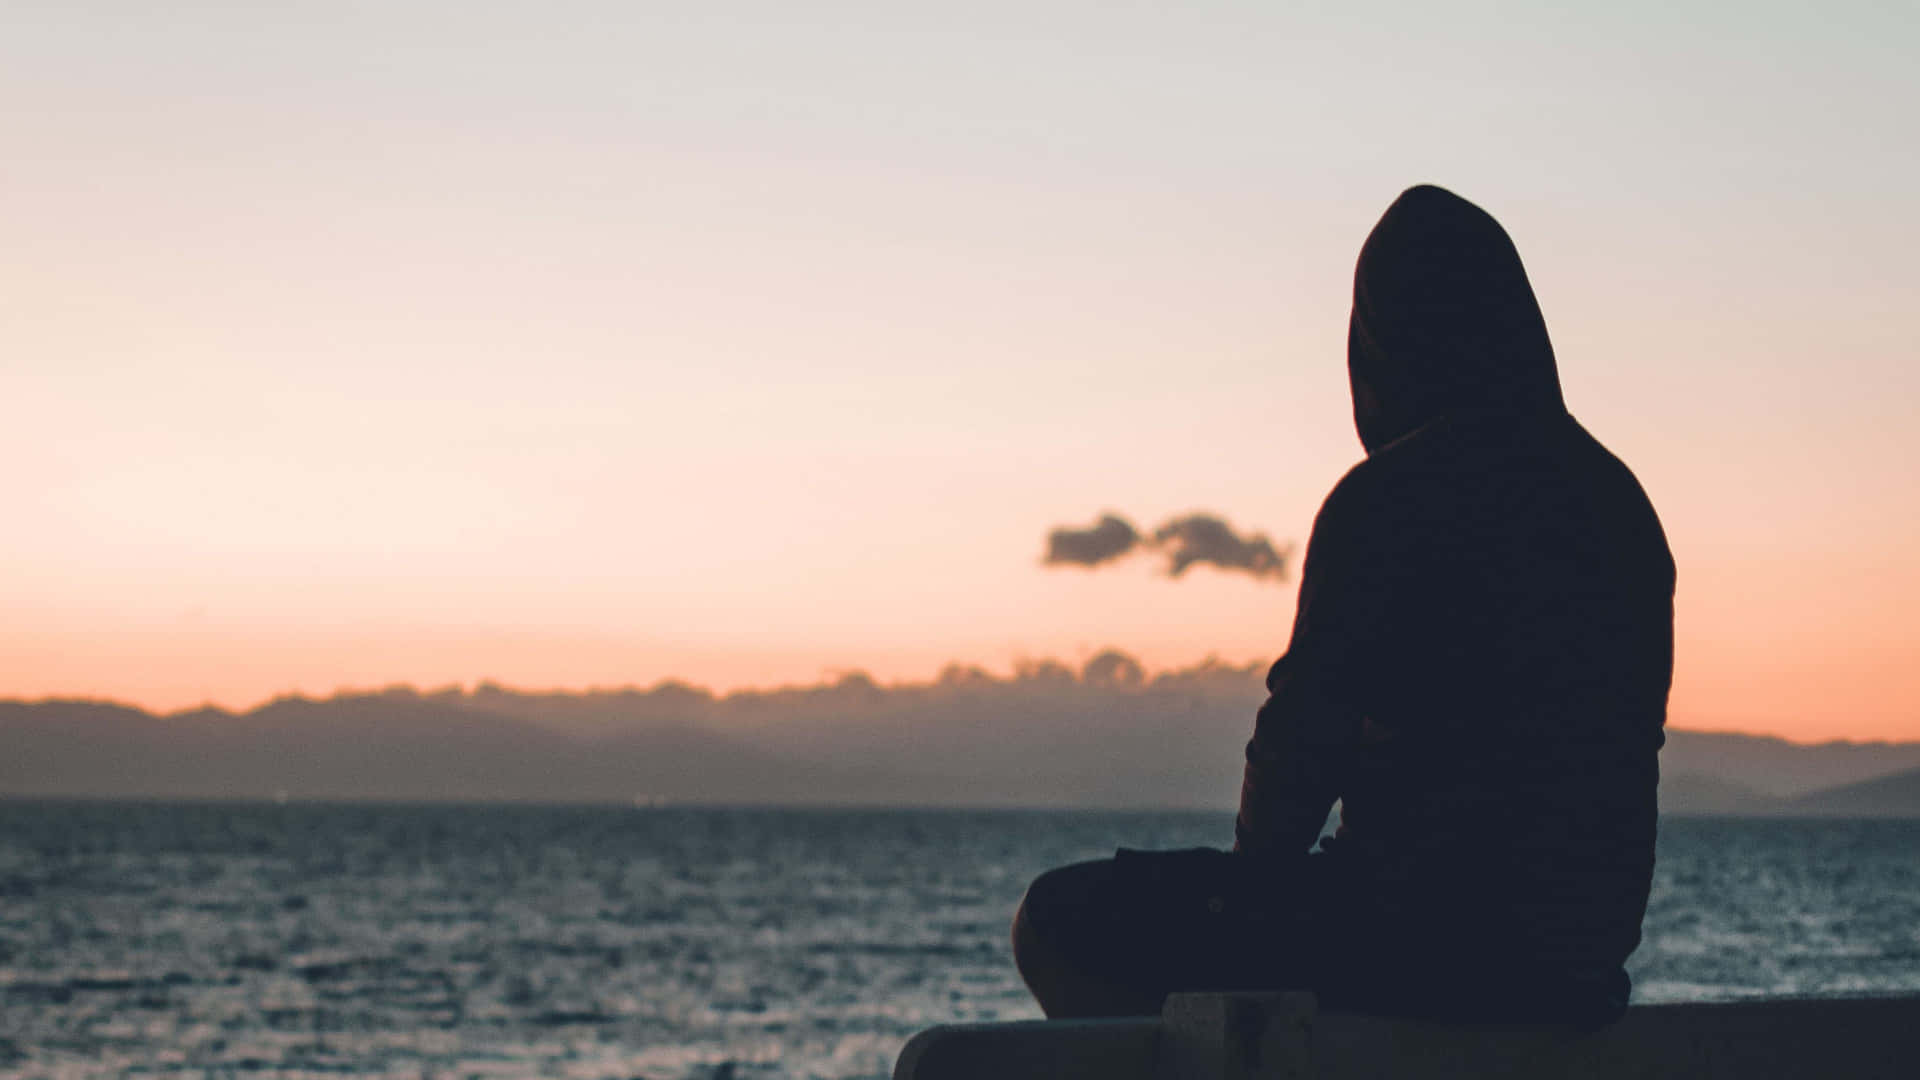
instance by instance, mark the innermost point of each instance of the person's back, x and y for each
(1498, 806)
(1478, 670)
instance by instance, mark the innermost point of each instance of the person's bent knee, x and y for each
(1026, 950)
(1048, 972)
(1034, 956)
(1060, 981)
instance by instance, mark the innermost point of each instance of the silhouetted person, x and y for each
(1478, 671)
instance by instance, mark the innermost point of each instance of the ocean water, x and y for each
(140, 939)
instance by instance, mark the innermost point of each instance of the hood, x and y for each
(1444, 321)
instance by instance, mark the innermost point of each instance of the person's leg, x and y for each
(1113, 937)
(1068, 944)
(1063, 987)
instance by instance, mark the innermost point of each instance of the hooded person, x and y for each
(1478, 674)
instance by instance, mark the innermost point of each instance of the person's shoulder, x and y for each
(1387, 467)
(1356, 485)
(1359, 494)
(1608, 465)
(1626, 492)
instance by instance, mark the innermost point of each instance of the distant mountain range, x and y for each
(1716, 773)
(1897, 795)
(1772, 766)
(1103, 736)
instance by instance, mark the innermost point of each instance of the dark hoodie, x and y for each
(1480, 659)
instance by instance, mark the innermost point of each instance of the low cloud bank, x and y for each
(1103, 733)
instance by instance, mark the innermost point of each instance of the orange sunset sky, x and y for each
(594, 343)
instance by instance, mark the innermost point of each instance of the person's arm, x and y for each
(1308, 734)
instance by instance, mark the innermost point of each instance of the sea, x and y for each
(142, 939)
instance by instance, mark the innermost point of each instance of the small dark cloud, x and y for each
(1204, 538)
(1197, 538)
(1107, 539)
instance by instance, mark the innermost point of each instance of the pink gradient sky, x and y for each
(573, 344)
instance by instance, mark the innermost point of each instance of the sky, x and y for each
(595, 343)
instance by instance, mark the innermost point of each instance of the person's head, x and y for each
(1444, 321)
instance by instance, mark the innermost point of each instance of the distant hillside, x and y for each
(1774, 766)
(1886, 796)
(1683, 794)
(1106, 735)
(1048, 736)
(357, 748)
(1687, 793)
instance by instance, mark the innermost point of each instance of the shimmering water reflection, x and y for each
(714, 944)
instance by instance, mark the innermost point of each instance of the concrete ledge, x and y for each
(1287, 1037)
(1032, 1050)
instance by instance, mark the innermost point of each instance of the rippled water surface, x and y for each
(711, 944)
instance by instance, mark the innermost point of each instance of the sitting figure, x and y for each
(1478, 673)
